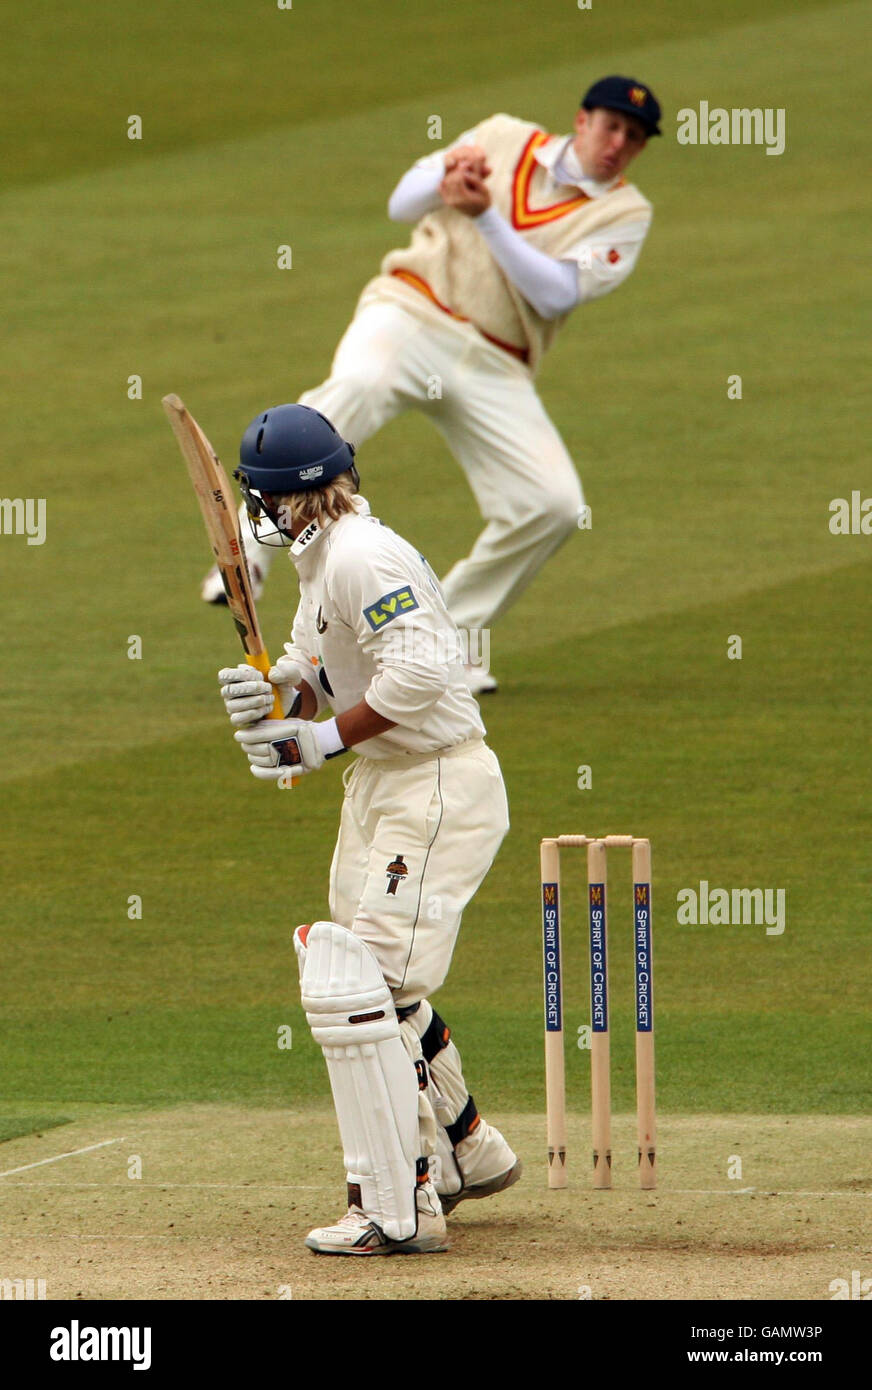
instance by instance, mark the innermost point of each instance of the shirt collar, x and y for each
(556, 155)
(308, 539)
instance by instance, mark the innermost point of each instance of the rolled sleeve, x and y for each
(410, 677)
(402, 635)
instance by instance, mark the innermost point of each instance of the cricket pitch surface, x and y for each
(226, 1196)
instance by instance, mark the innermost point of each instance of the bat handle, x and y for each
(262, 663)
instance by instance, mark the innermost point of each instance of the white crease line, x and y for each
(77, 1235)
(57, 1158)
(137, 1182)
(749, 1192)
(98, 1239)
(331, 1187)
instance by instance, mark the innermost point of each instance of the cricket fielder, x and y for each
(423, 815)
(514, 228)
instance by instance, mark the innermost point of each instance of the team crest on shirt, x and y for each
(638, 96)
(396, 872)
(388, 607)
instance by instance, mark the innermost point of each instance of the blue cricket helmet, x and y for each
(290, 448)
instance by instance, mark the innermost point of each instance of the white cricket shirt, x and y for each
(372, 624)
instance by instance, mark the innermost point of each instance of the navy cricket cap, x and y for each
(627, 95)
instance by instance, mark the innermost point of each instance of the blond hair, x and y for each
(321, 504)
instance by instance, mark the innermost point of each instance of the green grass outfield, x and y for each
(158, 258)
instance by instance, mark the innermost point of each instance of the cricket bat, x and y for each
(220, 518)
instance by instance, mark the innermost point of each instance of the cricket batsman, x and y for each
(514, 228)
(424, 813)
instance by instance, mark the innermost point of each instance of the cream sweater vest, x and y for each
(448, 268)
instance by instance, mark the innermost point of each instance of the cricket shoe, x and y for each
(480, 682)
(483, 1189)
(478, 1165)
(357, 1234)
(212, 588)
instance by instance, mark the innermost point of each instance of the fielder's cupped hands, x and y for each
(471, 157)
(463, 188)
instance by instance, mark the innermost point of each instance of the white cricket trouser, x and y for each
(484, 402)
(416, 838)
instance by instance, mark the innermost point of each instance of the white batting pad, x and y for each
(375, 1088)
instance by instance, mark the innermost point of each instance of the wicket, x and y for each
(555, 1090)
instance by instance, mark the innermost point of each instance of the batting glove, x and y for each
(247, 696)
(279, 748)
(287, 676)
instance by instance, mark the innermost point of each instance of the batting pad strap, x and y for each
(435, 1037)
(375, 1088)
(406, 1011)
(465, 1123)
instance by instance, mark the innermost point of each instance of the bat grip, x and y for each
(261, 662)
